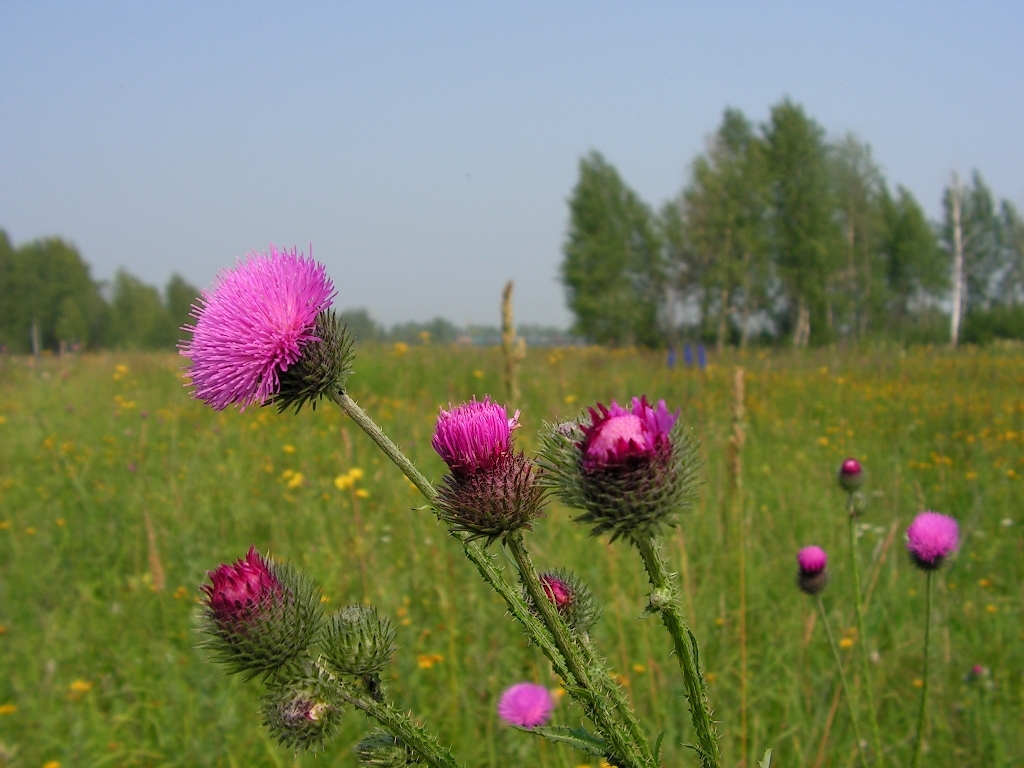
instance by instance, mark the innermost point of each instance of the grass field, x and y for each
(118, 493)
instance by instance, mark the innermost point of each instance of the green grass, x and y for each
(100, 667)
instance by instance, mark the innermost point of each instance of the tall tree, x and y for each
(915, 268)
(613, 270)
(138, 317)
(805, 233)
(722, 210)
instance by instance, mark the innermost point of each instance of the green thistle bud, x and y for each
(570, 595)
(322, 369)
(359, 642)
(259, 615)
(301, 714)
(382, 750)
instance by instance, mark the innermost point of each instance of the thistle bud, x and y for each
(851, 475)
(570, 595)
(382, 750)
(491, 489)
(630, 470)
(301, 714)
(259, 615)
(359, 642)
(812, 576)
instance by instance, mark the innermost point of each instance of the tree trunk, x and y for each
(723, 317)
(802, 332)
(745, 312)
(958, 263)
(35, 337)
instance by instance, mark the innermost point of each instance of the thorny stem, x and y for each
(596, 707)
(924, 679)
(876, 739)
(395, 722)
(663, 600)
(842, 680)
(541, 635)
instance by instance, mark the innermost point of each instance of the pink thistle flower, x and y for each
(474, 436)
(851, 475)
(253, 326)
(813, 574)
(617, 437)
(526, 705)
(931, 538)
(241, 590)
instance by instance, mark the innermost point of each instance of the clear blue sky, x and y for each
(426, 150)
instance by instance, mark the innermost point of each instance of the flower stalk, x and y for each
(922, 713)
(843, 681)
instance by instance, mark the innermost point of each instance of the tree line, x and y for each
(780, 234)
(49, 301)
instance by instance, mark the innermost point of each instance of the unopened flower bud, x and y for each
(382, 750)
(570, 595)
(301, 714)
(259, 615)
(358, 641)
(851, 475)
(812, 576)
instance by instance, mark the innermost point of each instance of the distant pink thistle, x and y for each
(474, 436)
(253, 326)
(931, 538)
(558, 591)
(240, 590)
(851, 475)
(812, 560)
(617, 437)
(526, 705)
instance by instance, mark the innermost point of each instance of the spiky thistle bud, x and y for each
(571, 596)
(302, 713)
(259, 615)
(812, 576)
(630, 470)
(382, 750)
(357, 641)
(931, 538)
(851, 475)
(492, 489)
(321, 370)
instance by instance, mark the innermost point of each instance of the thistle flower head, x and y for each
(474, 436)
(259, 615)
(301, 713)
(851, 475)
(630, 471)
(931, 538)
(526, 705)
(616, 436)
(571, 596)
(358, 641)
(812, 576)
(253, 326)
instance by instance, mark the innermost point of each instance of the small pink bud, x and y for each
(240, 590)
(851, 475)
(558, 591)
(813, 574)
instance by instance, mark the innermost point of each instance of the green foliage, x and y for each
(613, 271)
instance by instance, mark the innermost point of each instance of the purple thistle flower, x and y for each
(617, 437)
(851, 475)
(474, 436)
(241, 590)
(526, 705)
(253, 326)
(557, 590)
(931, 538)
(813, 574)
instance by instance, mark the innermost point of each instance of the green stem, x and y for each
(924, 680)
(876, 739)
(597, 709)
(842, 680)
(394, 722)
(663, 600)
(541, 635)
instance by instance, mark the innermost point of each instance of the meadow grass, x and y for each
(118, 493)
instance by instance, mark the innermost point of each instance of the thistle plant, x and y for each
(931, 538)
(266, 336)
